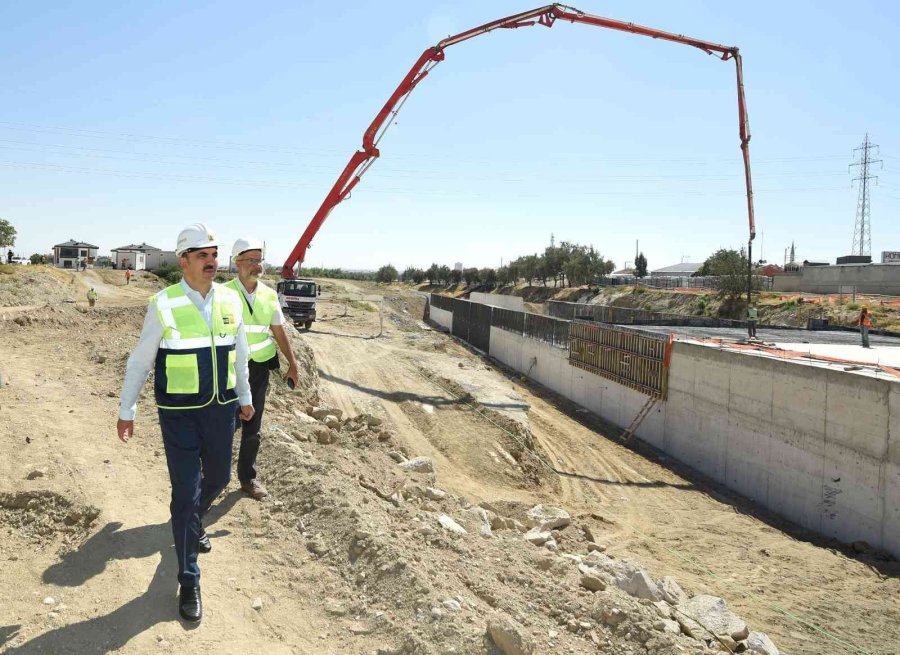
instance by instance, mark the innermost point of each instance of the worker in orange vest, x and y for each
(128, 275)
(864, 322)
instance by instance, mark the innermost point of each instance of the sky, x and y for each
(123, 122)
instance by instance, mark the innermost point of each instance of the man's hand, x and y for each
(126, 429)
(291, 374)
(247, 412)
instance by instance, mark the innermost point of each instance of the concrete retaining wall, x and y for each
(516, 303)
(786, 283)
(442, 317)
(816, 446)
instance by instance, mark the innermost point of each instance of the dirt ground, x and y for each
(347, 555)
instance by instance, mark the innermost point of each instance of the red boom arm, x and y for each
(362, 159)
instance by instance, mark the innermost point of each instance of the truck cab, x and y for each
(298, 300)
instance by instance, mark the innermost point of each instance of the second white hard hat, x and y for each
(246, 243)
(193, 237)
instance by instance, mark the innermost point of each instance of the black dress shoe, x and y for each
(204, 545)
(189, 605)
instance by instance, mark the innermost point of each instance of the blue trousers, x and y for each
(198, 454)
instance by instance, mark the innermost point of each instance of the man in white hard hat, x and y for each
(194, 339)
(263, 320)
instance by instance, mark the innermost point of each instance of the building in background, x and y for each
(890, 257)
(458, 267)
(685, 269)
(142, 257)
(72, 254)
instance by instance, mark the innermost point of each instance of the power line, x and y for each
(384, 173)
(408, 191)
(232, 145)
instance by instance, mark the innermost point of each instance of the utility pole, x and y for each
(862, 228)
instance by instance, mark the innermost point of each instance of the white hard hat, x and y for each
(246, 243)
(195, 236)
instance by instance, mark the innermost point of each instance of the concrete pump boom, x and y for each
(362, 159)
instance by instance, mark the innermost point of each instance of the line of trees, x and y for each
(568, 264)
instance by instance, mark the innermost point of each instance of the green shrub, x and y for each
(170, 273)
(639, 289)
(854, 306)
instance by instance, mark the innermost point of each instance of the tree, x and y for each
(38, 259)
(471, 276)
(444, 274)
(554, 260)
(455, 276)
(386, 274)
(433, 273)
(640, 266)
(7, 234)
(488, 276)
(413, 274)
(731, 267)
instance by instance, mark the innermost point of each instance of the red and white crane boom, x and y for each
(362, 159)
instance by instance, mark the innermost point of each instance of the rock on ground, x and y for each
(547, 517)
(671, 591)
(710, 614)
(508, 637)
(451, 525)
(759, 642)
(640, 585)
(418, 465)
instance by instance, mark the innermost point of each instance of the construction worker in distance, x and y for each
(194, 339)
(263, 320)
(752, 317)
(92, 297)
(864, 322)
(128, 275)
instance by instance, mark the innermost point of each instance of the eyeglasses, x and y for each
(251, 260)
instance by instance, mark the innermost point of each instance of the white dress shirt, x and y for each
(277, 317)
(143, 357)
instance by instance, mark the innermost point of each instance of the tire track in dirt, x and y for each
(376, 376)
(677, 524)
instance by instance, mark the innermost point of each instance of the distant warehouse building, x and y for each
(676, 270)
(141, 257)
(843, 278)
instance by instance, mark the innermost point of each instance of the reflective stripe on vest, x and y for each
(261, 346)
(195, 365)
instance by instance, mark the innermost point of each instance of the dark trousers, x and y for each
(250, 436)
(198, 454)
(751, 329)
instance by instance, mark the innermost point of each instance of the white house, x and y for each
(141, 257)
(72, 253)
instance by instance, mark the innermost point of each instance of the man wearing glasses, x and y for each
(263, 320)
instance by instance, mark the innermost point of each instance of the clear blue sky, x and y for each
(122, 122)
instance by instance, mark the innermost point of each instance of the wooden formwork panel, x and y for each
(636, 360)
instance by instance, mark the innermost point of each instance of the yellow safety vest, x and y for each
(258, 319)
(195, 365)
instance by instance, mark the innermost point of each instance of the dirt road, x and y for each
(344, 558)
